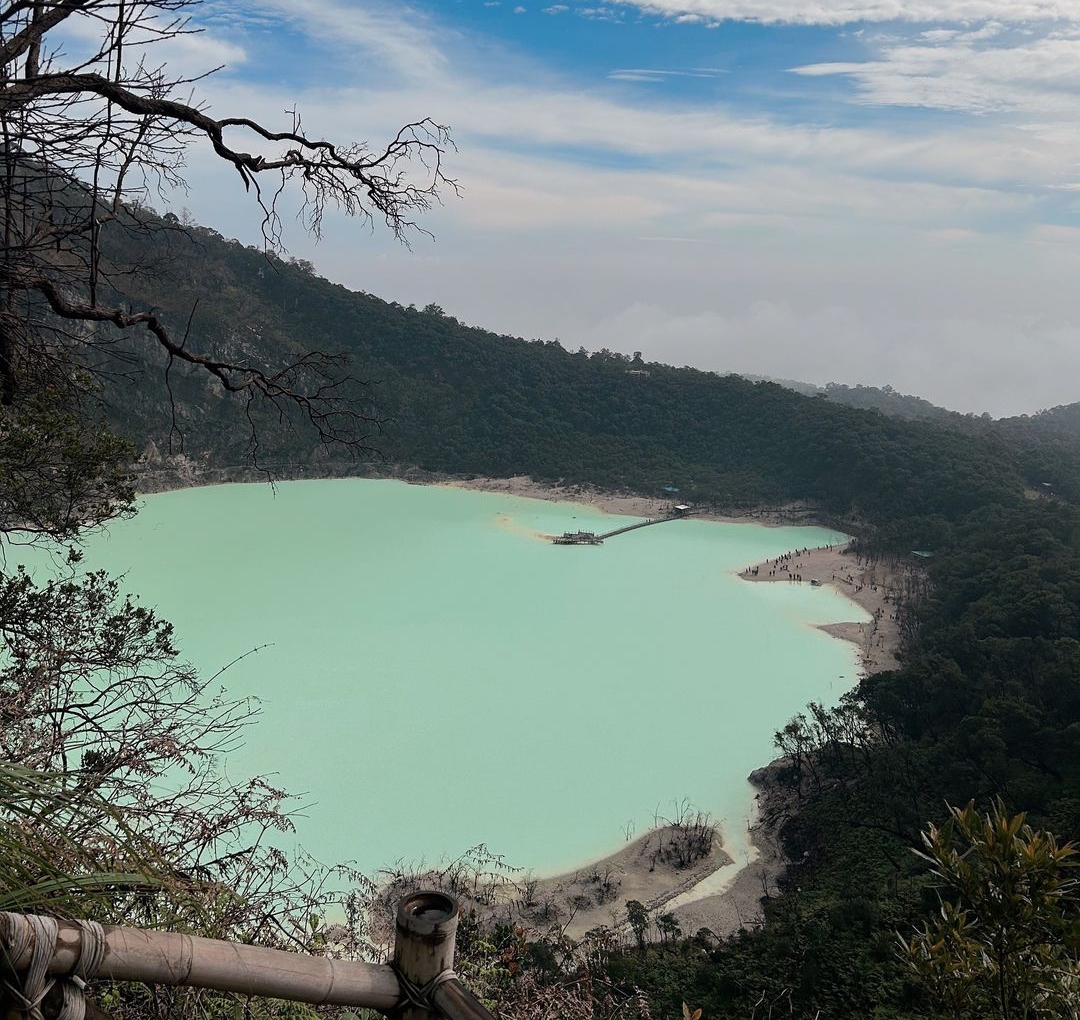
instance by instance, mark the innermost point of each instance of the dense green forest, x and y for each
(986, 703)
(458, 399)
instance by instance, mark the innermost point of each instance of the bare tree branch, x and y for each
(84, 141)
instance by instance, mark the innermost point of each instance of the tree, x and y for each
(90, 130)
(94, 699)
(669, 927)
(637, 916)
(1006, 937)
(796, 742)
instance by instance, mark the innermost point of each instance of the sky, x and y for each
(860, 191)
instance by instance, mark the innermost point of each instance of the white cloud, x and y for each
(952, 235)
(188, 54)
(856, 253)
(660, 74)
(704, 138)
(988, 31)
(1055, 233)
(965, 73)
(839, 12)
(602, 13)
(399, 39)
(513, 196)
(701, 168)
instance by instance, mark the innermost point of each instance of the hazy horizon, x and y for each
(851, 190)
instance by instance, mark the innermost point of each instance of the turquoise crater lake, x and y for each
(436, 675)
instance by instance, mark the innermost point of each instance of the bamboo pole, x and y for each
(454, 1001)
(166, 958)
(426, 932)
(423, 956)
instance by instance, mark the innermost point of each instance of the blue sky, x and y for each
(646, 57)
(878, 191)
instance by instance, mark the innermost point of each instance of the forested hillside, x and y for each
(876, 398)
(1046, 444)
(462, 400)
(986, 703)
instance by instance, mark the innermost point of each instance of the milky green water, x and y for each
(437, 676)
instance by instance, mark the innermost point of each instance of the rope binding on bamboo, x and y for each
(23, 933)
(421, 996)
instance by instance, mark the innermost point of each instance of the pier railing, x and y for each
(48, 956)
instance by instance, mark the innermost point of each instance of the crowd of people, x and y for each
(789, 563)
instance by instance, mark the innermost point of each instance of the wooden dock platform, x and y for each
(591, 538)
(578, 538)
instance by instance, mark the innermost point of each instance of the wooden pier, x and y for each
(592, 538)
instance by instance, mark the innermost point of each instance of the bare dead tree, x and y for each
(90, 128)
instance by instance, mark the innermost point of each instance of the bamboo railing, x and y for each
(420, 983)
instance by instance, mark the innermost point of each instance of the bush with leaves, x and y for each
(1006, 937)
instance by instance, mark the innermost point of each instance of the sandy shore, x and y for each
(740, 902)
(164, 474)
(596, 895)
(627, 504)
(875, 587)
